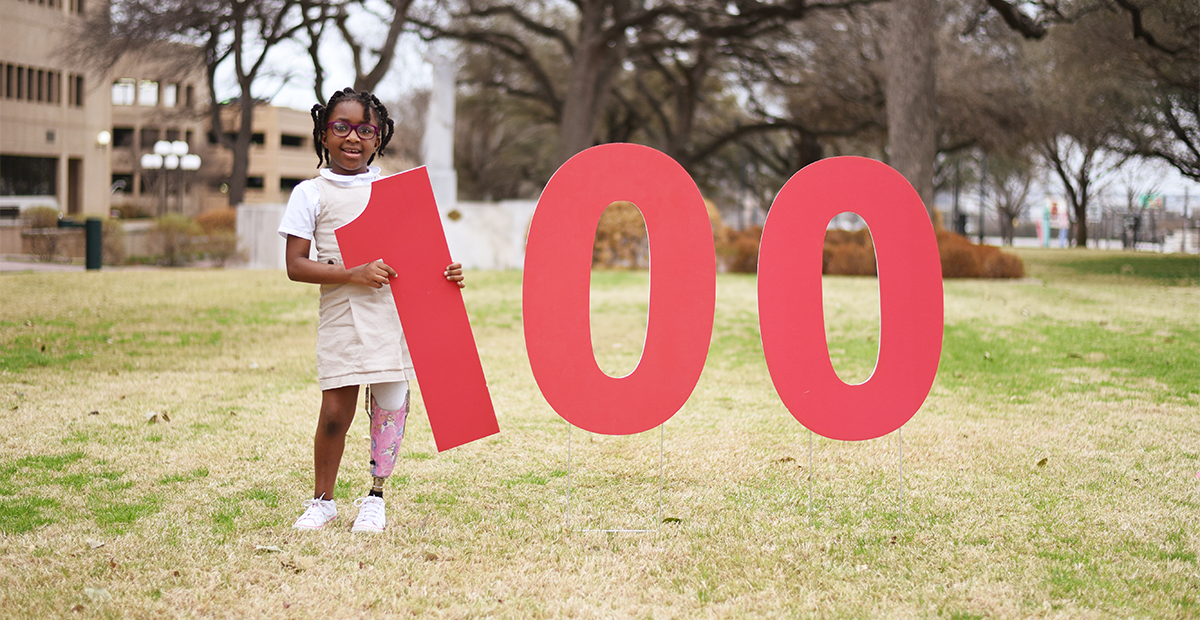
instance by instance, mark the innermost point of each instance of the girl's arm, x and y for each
(302, 269)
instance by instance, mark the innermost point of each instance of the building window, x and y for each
(148, 93)
(123, 92)
(254, 182)
(30, 84)
(288, 184)
(122, 183)
(122, 137)
(149, 137)
(292, 141)
(28, 176)
(78, 98)
(53, 87)
(170, 95)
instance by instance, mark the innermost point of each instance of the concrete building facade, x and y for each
(54, 118)
(281, 155)
(159, 95)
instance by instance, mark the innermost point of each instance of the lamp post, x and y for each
(169, 156)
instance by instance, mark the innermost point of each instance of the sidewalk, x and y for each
(8, 265)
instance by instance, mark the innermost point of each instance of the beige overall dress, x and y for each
(359, 339)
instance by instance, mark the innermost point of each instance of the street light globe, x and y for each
(171, 162)
(152, 161)
(179, 148)
(162, 147)
(190, 162)
(103, 138)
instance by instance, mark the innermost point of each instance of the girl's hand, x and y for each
(454, 274)
(373, 274)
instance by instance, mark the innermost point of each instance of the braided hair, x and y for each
(376, 114)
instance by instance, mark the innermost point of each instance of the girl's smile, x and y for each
(349, 155)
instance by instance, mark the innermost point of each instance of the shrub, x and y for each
(220, 231)
(113, 245)
(621, 238)
(42, 217)
(958, 256)
(129, 211)
(737, 250)
(958, 261)
(174, 234)
(1001, 265)
(848, 253)
(849, 259)
(44, 236)
(963, 259)
(222, 247)
(218, 220)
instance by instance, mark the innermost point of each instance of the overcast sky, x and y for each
(291, 79)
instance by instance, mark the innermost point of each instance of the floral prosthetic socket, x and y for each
(387, 431)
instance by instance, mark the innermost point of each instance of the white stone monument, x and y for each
(480, 235)
(437, 146)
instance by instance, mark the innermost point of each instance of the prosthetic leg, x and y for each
(387, 431)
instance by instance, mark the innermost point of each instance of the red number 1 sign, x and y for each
(401, 225)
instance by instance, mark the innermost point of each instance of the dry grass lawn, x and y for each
(1053, 472)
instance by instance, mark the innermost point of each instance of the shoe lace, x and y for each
(313, 509)
(369, 509)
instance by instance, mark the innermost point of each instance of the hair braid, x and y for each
(376, 113)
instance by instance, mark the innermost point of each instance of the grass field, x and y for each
(1053, 472)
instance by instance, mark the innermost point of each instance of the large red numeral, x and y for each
(910, 298)
(558, 263)
(401, 225)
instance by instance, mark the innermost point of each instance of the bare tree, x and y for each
(1010, 178)
(371, 62)
(1082, 167)
(239, 32)
(1155, 45)
(1160, 54)
(573, 60)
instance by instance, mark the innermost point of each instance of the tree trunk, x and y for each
(598, 55)
(240, 170)
(686, 100)
(1006, 228)
(910, 51)
(808, 149)
(1081, 229)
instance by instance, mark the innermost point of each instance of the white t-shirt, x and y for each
(300, 217)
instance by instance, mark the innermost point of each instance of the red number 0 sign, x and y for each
(910, 298)
(558, 271)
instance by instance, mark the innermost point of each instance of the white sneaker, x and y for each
(370, 515)
(318, 513)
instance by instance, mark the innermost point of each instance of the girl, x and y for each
(359, 339)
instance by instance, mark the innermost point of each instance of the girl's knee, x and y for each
(337, 413)
(333, 427)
